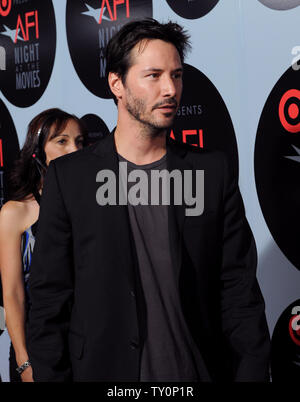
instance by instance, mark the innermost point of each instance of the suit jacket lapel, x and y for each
(176, 213)
(124, 243)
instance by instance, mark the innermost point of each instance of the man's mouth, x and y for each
(167, 108)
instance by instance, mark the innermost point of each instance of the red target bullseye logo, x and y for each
(289, 110)
(5, 7)
(294, 328)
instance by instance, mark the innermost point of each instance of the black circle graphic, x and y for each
(277, 164)
(96, 128)
(280, 4)
(203, 119)
(285, 351)
(9, 148)
(192, 9)
(90, 24)
(28, 35)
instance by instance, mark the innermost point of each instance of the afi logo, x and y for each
(2, 59)
(5, 7)
(294, 325)
(112, 11)
(186, 133)
(28, 23)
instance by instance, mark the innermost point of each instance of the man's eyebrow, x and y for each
(152, 69)
(179, 69)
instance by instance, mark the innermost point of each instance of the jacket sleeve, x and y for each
(243, 309)
(51, 287)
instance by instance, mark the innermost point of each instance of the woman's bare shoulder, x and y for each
(13, 215)
(13, 209)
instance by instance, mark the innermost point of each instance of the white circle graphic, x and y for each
(281, 4)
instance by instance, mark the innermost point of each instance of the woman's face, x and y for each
(69, 140)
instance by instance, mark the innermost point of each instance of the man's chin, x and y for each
(166, 123)
(158, 126)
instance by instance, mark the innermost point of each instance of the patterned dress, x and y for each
(27, 245)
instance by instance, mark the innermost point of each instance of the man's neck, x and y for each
(138, 145)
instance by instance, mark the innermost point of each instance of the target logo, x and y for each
(294, 325)
(289, 110)
(277, 163)
(5, 7)
(285, 352)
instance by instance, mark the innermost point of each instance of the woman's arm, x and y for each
(11, 217)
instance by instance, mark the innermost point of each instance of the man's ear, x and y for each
(115, 84)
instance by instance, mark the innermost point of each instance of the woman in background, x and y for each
(51, 134)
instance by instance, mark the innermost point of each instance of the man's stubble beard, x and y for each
(136, 107)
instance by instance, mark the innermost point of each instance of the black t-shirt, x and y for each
(169, 352)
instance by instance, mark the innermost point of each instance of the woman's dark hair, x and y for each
(30, 168)
(118, 49)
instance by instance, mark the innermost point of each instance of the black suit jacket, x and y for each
(87, 319)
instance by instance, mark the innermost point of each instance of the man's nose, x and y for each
(168, 87)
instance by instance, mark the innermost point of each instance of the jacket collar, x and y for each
(176, 153)
(105, 146)
(175, 150)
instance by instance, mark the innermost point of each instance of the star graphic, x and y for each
(11, 33)
(295, 158)
(297, 360)
(95, 13)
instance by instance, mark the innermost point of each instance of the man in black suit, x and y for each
(123, 289)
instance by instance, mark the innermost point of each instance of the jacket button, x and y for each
(132, 293)
(134, 345)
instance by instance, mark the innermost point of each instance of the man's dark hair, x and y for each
(118, 49)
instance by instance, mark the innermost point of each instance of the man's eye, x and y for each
(153, 75)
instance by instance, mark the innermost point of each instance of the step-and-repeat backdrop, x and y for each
(241, 95)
